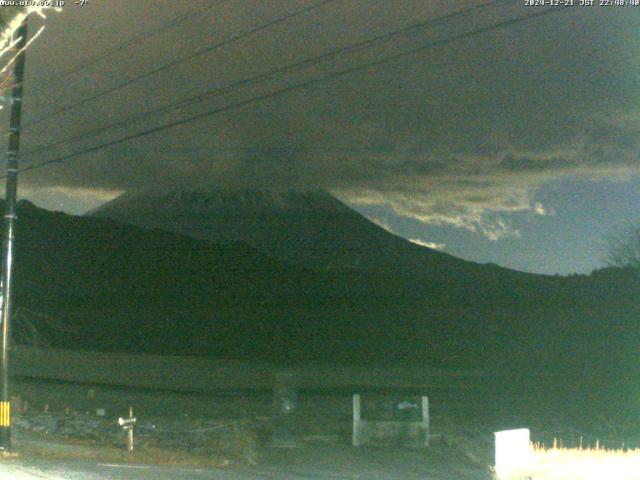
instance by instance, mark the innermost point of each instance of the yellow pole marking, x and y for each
(5, 414)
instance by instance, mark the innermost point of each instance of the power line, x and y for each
(308, 62)
(372, 64)
(341, 73)
(167, 66)
(133, 41)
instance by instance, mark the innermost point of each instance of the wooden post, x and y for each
(128, 424)
(130, 433)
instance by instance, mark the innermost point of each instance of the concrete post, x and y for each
(513, 452)
(357, 418)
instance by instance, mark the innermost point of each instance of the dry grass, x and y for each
(468, 442)
(58, 448)
(240, 446)
(585, 464)
(224, 443)
(597, 463)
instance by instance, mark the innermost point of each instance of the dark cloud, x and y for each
(512, 163)
(452, 135)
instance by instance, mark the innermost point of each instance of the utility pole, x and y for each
(9, 235)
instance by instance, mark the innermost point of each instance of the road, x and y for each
(100, 471)
(318, 463)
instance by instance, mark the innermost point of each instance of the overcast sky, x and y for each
(517, 146)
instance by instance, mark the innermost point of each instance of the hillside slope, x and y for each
(94, 284)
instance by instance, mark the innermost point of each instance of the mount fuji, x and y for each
(305, 228)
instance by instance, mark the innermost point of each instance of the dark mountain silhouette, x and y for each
(308, 228)
(94, 284)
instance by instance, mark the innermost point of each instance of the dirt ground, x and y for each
(234, 430)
